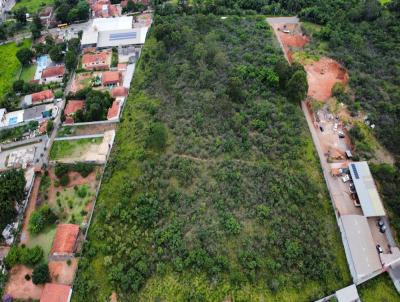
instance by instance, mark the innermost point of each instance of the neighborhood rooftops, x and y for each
(111, 77)
(56, 293)
(96, 58)
(65, 239)
(370, 201)
(363, 254)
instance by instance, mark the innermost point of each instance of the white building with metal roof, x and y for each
(367, 193)
(363, 259)
(112, 32)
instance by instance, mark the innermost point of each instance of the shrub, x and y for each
(41, 218)
(157, 138)
(64, 180)
(61, 170)
(23, 255)
(27, 277)
(41, 274)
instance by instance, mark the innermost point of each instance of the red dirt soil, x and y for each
(31, 207)
(61, 272)
(19, 288)
(322, 75)
(292, 40)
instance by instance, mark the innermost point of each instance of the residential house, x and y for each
(44, 96)
(53, 74)
(119, 91)
(114, 110)
(71, 108)
(64, 243)
(111, 78)
(97, 61)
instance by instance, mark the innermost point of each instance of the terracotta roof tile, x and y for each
(53, 71)
(42, 96)
(95, 58)
(113, 110)
(111, 77)
(55, 293)
(119, 91)
(73, 106)
(65, 239)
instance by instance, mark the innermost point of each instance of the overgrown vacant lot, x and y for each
(33, 6)
(213, 188)
(9, 64)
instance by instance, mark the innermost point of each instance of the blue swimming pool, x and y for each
(12, 121)
(41, 63)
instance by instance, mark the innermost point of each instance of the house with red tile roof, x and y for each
(71, 108)
(44, 96)
(113, 111)
(53, 292)
(111, 78)
(52, 74)
(121, 66)
(119, 91)
(64, 242)
(97, 61)
(105, 10)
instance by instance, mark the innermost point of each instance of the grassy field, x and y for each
(44, 239)
(28, 73)
(379, 289)
(9, 64)
(71, 203)
(72, 148)
(33, 6)
(213, 189)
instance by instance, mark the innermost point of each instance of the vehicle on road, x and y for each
(341, 134)
(379, 249)
(346, 178)
(321, 128)
(344, 170)
(382, 226)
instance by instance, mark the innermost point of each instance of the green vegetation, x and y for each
(70, 205)
(41, 274)
(28, 73)
(72, 148)
(17, 132)
(379, 289)
(9, 65)
(12, 185)
(213, 189)
(44, 239)
(40, 219)
(32, 6)
(23, 255)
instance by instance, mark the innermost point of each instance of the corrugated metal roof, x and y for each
(365, 259)
(370, 201)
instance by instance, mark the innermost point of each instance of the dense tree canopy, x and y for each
(12, 184)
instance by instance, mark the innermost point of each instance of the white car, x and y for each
(346, 178)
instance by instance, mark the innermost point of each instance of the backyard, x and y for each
(9, 64)
(28, 73)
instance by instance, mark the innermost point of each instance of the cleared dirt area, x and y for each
(61, 272)
(86, 129)
(19, 288)
(322, 75)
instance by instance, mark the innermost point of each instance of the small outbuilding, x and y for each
(64, 242)
(53, 292)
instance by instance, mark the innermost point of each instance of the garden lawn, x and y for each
(70, 204)
(379, 289)
(9, 64)
(72, 148)
(28, 73)
(32, 6)
(44, 240)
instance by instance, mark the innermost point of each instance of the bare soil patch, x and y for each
(322, 75)
(61, 272)
(19, 288)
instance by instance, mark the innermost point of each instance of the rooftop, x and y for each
(73, 106)
(55, 293)
(42, 96)
(119, 91)
(53, 71)
(364, 257)
(110, 77)
(122, 37)
(113, 110)
(371, 203)
(65, 239)
(99, 57)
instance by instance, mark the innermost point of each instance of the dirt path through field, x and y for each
(31, 207)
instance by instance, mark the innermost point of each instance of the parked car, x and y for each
(382, 229)
(344, 170)
(346, 178)
(352, 187)
(379, 249)
(341, 134)
(381, 226)
(321, 128)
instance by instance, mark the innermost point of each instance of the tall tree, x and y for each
(24, 55)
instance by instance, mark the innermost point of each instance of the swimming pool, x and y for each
(41, 63)
(12, 120)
